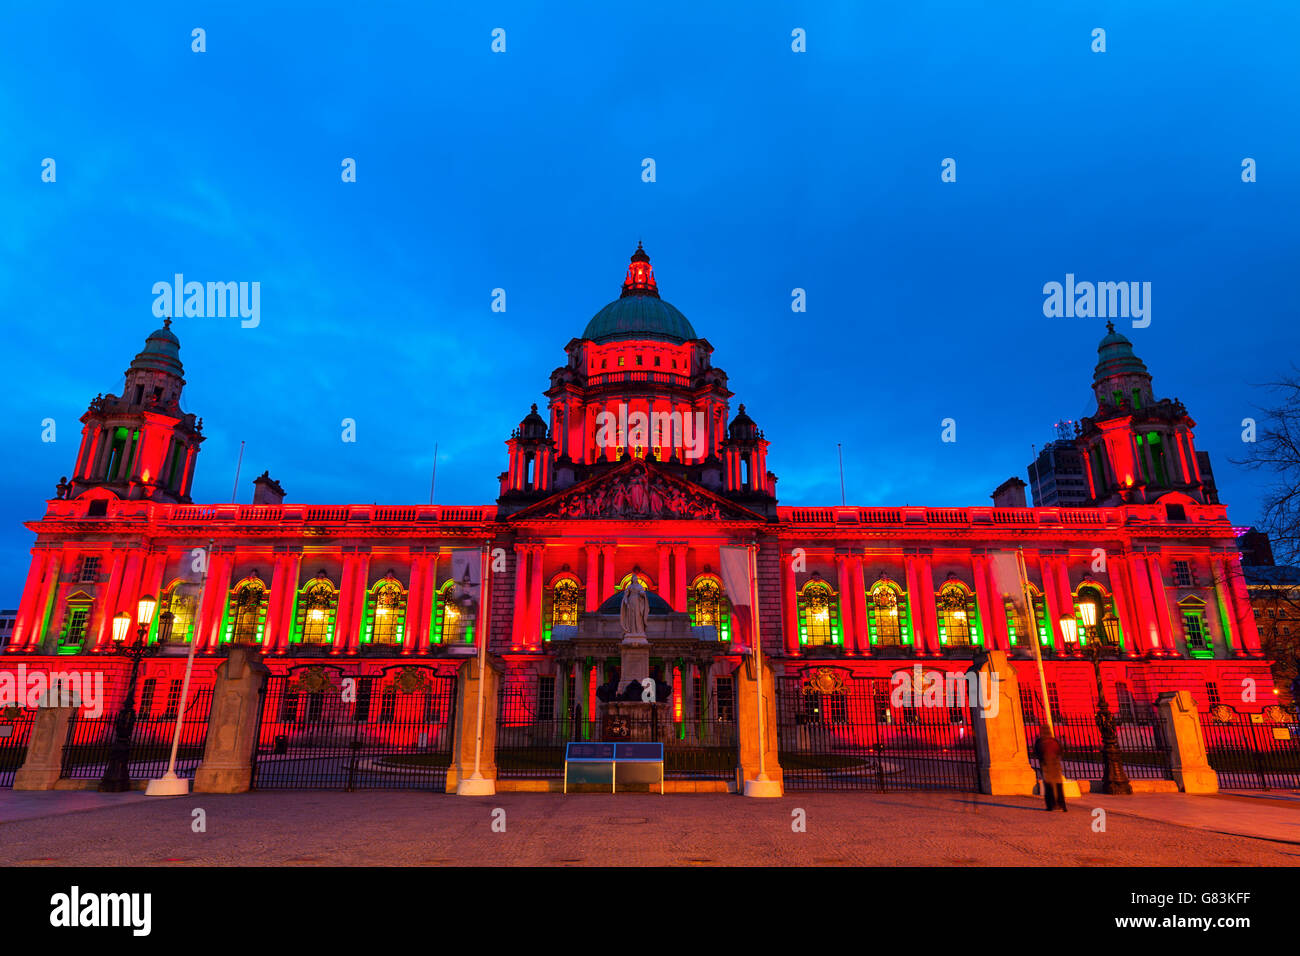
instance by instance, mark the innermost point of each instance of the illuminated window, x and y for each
(183, 601)
(316, 611)
(887, 616)
(708, 606)
(386, 612)
(246, 612)
(818, 619)
(564, 605)
(451, 622)
(76, 620)
(956, 607)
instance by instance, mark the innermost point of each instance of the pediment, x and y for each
(638, 491)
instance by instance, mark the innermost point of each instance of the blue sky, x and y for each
(522, 170)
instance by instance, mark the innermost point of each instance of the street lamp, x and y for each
(117, 775)
(1070, 632)
(1114, 777)
(1088, 611)
(1110, 624)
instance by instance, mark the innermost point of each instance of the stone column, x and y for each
(519, 625)
(227, 765)
(466, 734)
(1121, 594)
(535, 603)
(999, 726)
(288, 605)
(108, 601)
(665, 557)
(861, 629)
(607, 583)
(678, 599)
(592, 584)
(926, 579)
(44, 764)
(1245, 615)
(274, 637)
(1161, 598)
(1051, 595)
(789, 605)
(844, 582)
(747, 726)
(1182, 729)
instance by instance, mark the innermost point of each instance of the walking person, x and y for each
(1049, 751)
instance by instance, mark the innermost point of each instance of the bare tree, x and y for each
(1276, 451)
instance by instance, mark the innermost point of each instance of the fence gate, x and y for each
(837, 734)
(531, 736)
(15, 730)
(1249, 754)
(1142, 745)
(90, 740)
(323, 728)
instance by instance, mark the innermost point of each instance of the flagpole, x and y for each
(475, 785)
(170, 785)
(1033, 630)
(762, 785)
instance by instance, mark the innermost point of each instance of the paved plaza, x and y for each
(843, 829)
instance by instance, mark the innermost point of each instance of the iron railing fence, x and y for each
(854, 738)
(334, 731)
(15, 731)
(1143, 748)
(530, 746)
(1252, 751)
(90, 740)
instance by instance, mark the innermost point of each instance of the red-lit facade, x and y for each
(637, 463)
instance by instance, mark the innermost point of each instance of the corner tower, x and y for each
(1135, 448)
(141, 444)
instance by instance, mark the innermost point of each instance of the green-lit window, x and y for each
(385, 612)
(1196, 631)
(707, 605)
(76, 621)
(818, 614)
(317, 607)
(957, 616)
(183, 602)
(451, 623)
(887, 616)
(246, 612)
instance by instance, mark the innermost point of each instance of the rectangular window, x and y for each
(697, 691)
(1054, 698)
(146, 696)
(173, 699)
(546, 698)
(726, 688)
(365, 687)
(1194, 630)
(1182, 574)
(1212, 693)
(75, 630)
(89, 570)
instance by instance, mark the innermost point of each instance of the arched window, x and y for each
(317, 605)
(707, 605)
(182, 599)
(1018, 628)
(567, 596)
(245, 611)
(887, 616)
(644, 578)
(956, 607)
(452, 624)
(819, 622)
(386, 612)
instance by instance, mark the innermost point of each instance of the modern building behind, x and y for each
(1056, 477)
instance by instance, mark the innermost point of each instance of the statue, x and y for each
(634, 610)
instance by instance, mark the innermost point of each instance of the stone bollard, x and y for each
(1000, 729)
(1181, 724)
(747, 728)
(227, 765)
(44, 764)
(466, 730)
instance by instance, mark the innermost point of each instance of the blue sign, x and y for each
(589, 752)
(654, 752)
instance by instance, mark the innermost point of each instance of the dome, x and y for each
(1115, 357)
(639, 313)
(162, 352)
(639, 317)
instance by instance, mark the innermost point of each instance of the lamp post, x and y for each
(117, 775)
(1114, 778)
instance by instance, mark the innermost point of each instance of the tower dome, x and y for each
(1120, 378)
(161, 353)
(638, 312)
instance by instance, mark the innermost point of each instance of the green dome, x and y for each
(162, 352)
(639, 317)
(1115, 357)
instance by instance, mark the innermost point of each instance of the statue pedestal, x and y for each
(634, 664)
(633, 721)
